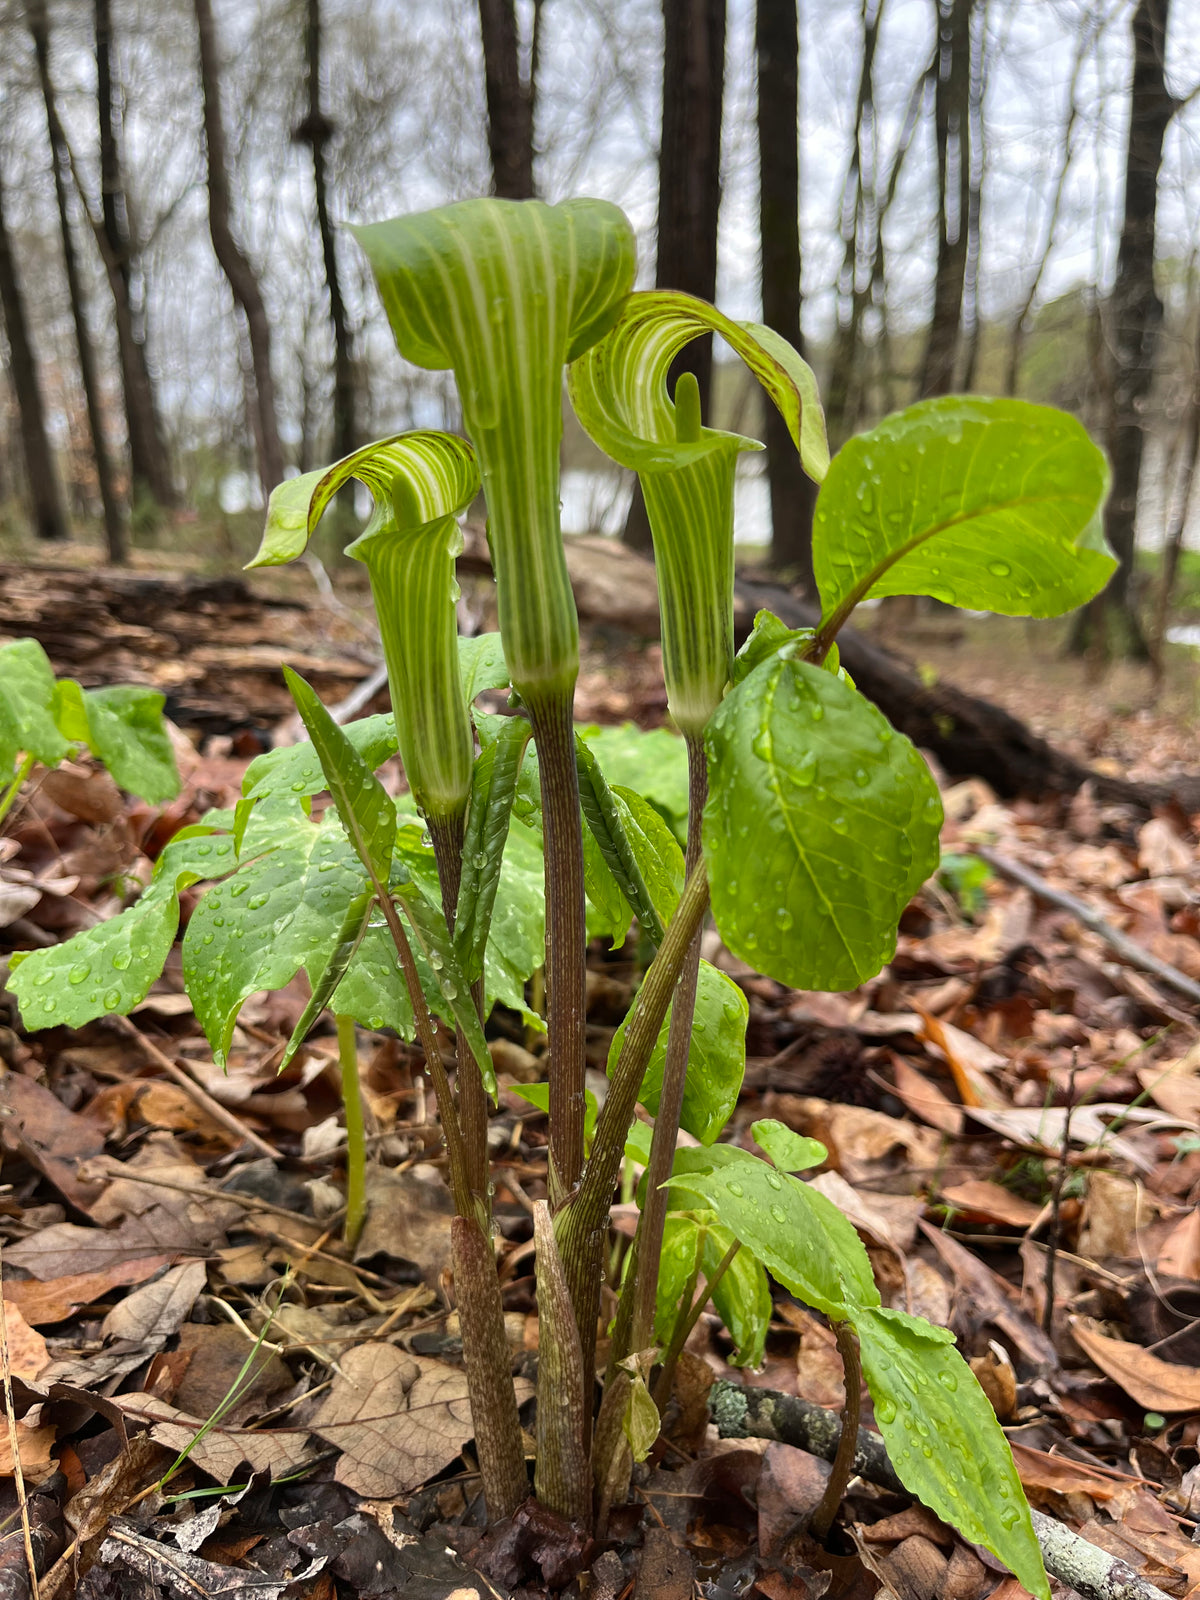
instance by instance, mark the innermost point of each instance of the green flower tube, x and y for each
(504, 293)
(419, 483)
(619, 391)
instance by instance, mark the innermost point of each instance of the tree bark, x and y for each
(952, 117)
(116, 532)
(45, 490)
(1134, 320)
(689, 185)
(793, 493)
(149, 461)
(234, 264)
(316, 130)
(510, 98)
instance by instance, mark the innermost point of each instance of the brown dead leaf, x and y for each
(868, 1148)
(33, 1444)
(991, 1299)
(1179, 1256)
(54, 1140)
(408, 1219)
(1037, 1469)
(1161, 851)
(1176, 1089)
(27, 1353)
(109, 1491)
(223, 1449)
(157, 1105)
(397, 1419)
(1155, 1384)
(925, 1293)
(60, 1298)
(90, 796)
(889, 1220)
(216, 1355)
(1112, 1209)
(925, 1099)
(992, 1203)
(969, 1059)
(151, 1314)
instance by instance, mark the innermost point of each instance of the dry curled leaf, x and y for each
(992, 1203)
(157, 1310)
(1155, 1384)
(27, 1353)
(59, 1298)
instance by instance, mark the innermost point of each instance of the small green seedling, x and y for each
(790, 807)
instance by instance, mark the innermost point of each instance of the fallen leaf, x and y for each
(925, 1293)
(992, 1202)
(925, 1099)
(408, 1219)
(397, 1419)
(151, 1314)
(1044, 1125)
(1113, 1207)
(27, 1353)
(224, 1449)
(1037, 1469)
(180, 1573)
(60, 1298)
(1155, 1384)
(139, 1463)
(969, 1059)
(889, 1220)
(216, 1355)
(1176, 1091)
(1161, 852)
(1179, 1256)
(35, 1123)
(866, 1147)
(990, 1294)
(33, 1444)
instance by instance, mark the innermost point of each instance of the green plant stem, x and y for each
(688, 1317)
(566, 940)
(356, 1137)
(14, 788)
(447, 836)
(580, 1226)
(843, 1462)
(670, 1105)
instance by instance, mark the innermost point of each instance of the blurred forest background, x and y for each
(927, 195)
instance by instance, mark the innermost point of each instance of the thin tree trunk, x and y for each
(1134, 320)
(41, 475)
(316, 130)
(975, 168)
(116, 532)
(777, 43)
(952, 117)
(689, 185)
(510, 98)
(149, 461)
(233, 263)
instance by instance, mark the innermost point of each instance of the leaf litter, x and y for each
(1012, 1113)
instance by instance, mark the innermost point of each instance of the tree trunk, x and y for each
(316, 130)
(1134, 319)
(233, 262)
(510, 98)
(689, 184)
(148, 458)
(115, 531)
(952, 117)
(793, 493)
(45, 490)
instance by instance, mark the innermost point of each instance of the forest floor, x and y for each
(1012, 1115)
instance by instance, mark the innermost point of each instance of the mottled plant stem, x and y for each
(580, 1226)
(670, 1103)
(356, 1137)
(843, 1461)
(447, 836)
(689, 1316)
(566, 941)
(562, 1478)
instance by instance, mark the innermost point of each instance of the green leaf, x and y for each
(653, 762)
(10, 738)
(641, 1421)
(798, 1235)
(503, 294)
(943, 1437)
(619, 391)
(822, 822)
(126, 731)
(493, 785)
(606, 820)
(27, 690)
(716, 1057)
(437, 472)
(482, 665)
(767, 637)
(538, 1094)
(608, 912)
(516, 945)
(791, 1152)
(351, 935)
(989, 504)
(296, 768)
(655, 850)
(742, 1298)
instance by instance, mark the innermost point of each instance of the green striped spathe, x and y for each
(619, 391)
(504, 293)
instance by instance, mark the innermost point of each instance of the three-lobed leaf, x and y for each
(821, 824)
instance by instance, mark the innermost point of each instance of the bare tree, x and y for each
(234, 264)
(316, 130)
(41, 476)
(952, 119)
(510, 97)
(115, 530)
(689, 183)
(777, 45)
(149, 462)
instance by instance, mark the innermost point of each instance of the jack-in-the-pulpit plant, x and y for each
(807, 824)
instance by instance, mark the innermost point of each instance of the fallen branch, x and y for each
(1134, 954)
(741, 1413)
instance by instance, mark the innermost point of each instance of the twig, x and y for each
(1134, 954)
(741, 1413)
(1060, 1177)
(14, 1445)
(214, 1108)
